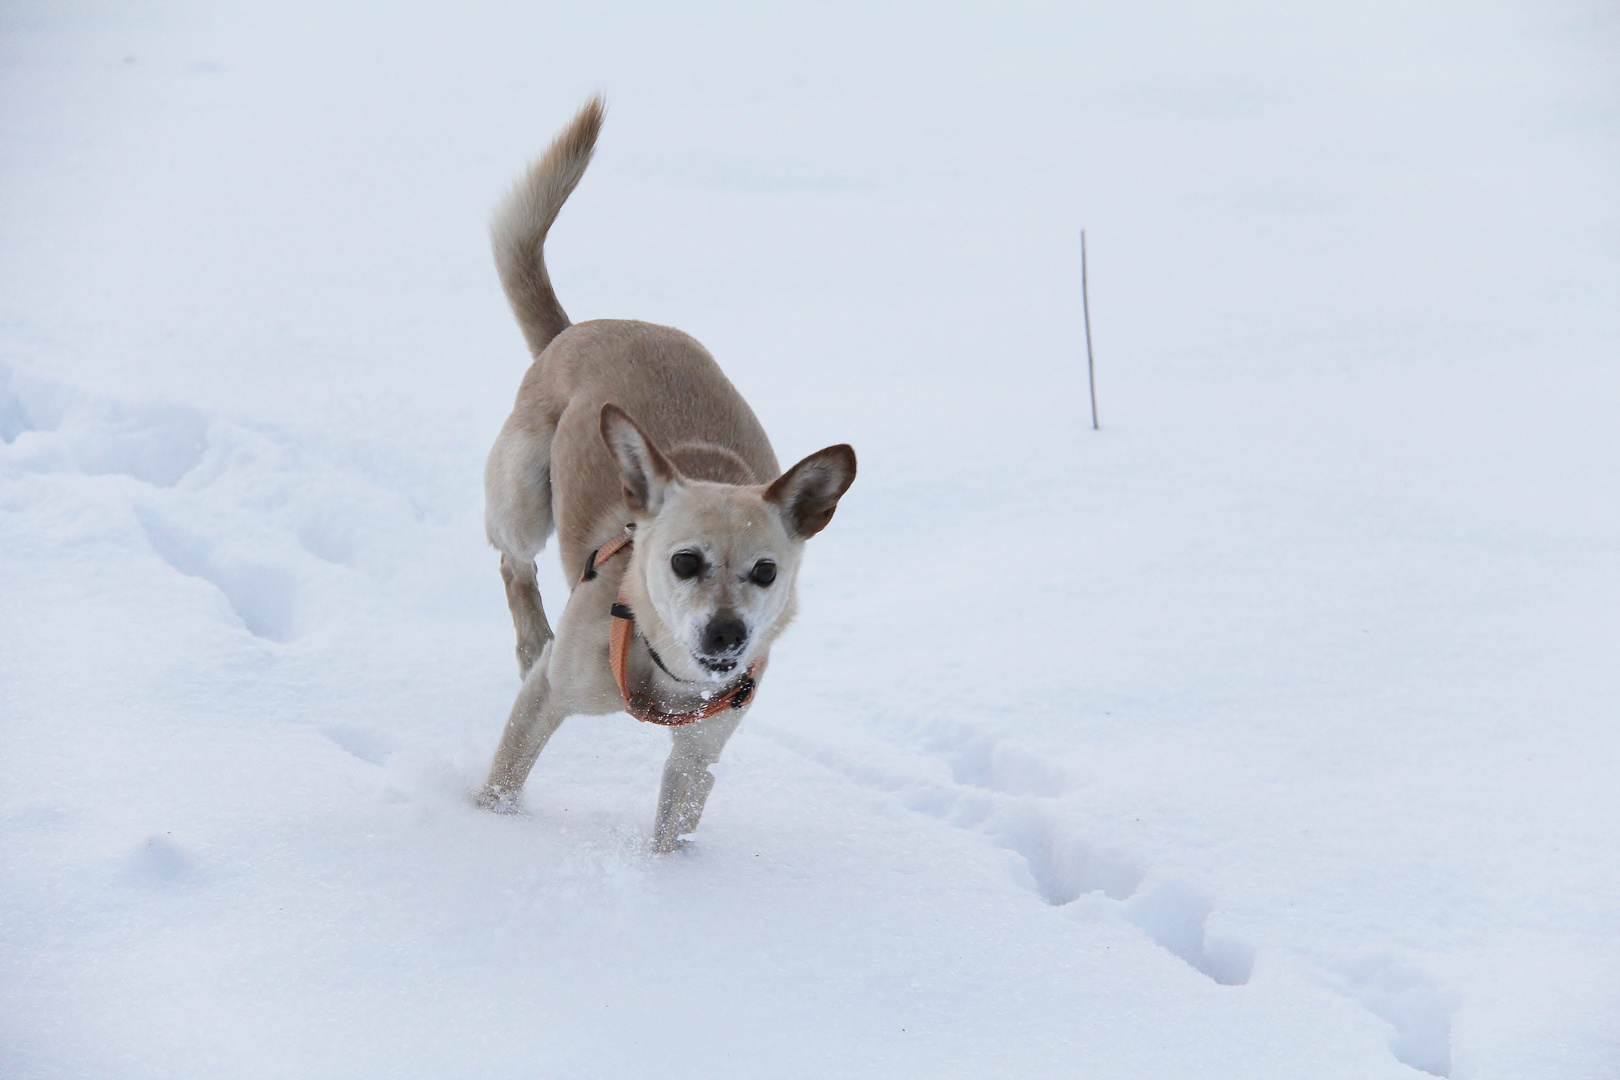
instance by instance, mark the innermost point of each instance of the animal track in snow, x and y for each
(1416, 1006)
(1175, 917)
(1063, 867)
(368, 745)
(992, 790)
(264, 597)
(1000, 766)
(159, 861)
(50, 428)
(27, 405)
(288, 526)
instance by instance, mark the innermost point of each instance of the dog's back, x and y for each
(549, 469)
(674, 389)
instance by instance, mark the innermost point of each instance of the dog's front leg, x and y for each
(536, 716)
(687, 779)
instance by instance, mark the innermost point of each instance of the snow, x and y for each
(1266, 732)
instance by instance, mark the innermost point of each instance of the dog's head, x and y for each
(717, 563)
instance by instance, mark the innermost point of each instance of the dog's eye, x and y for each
(686, 564)
(764, 572)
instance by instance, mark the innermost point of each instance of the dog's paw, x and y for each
(497, 800)
(669, 846)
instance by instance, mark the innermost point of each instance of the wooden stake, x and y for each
(1085, 305)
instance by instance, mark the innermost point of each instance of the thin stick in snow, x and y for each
(1085, 305)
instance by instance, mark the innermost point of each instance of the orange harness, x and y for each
(641, 705)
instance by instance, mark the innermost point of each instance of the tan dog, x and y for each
(629, 425)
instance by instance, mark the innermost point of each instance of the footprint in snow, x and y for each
(159, 861)
(372, 747)
(263, 596)
(1418, 1008)
(50, 428)
(1009, 796)
(1063, 866)
(1175, 916)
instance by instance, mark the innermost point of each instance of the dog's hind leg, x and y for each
(517, 518)
(687, 779)
(528, 613)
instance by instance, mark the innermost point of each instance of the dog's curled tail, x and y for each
(518, 231)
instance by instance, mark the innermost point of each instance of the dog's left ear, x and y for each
(647, 474)
(808, 493)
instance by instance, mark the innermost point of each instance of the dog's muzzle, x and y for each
(723, 642)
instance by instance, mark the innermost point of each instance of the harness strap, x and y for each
(640, 705)
(604, 553)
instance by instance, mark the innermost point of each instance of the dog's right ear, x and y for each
(647, 474)
(808, 493)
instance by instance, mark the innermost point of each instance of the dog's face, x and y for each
(719, 562)
(719, 567)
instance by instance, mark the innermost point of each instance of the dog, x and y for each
(679, 532)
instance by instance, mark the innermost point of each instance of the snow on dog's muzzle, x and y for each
(723, 642)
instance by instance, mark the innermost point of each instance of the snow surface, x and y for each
(1269, 732)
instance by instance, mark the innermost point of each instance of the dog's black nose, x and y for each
(725, 633)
